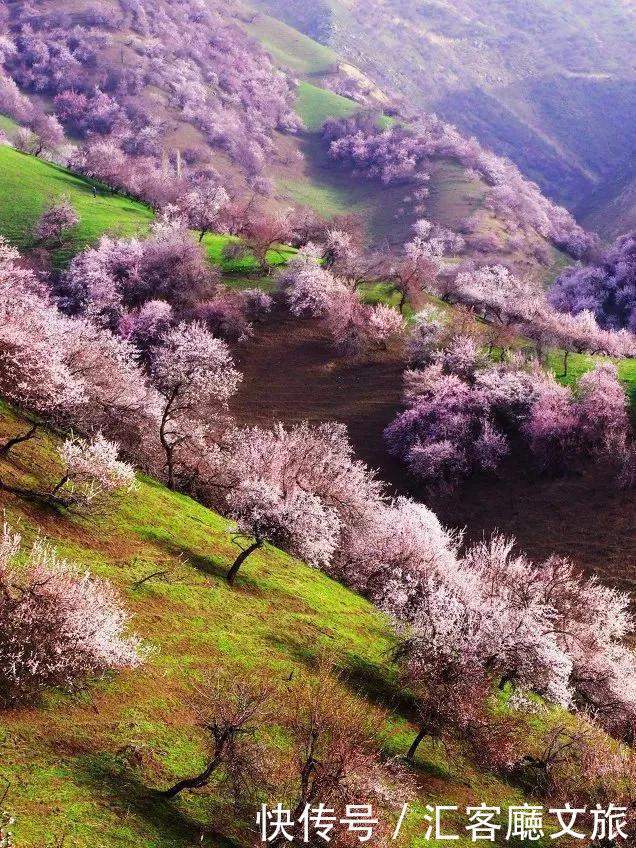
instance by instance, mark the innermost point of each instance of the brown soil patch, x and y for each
(291, 374)
(581, 516)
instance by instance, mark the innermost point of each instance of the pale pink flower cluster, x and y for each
(61, 627)
(92, 470)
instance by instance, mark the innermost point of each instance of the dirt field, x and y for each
(291, 374)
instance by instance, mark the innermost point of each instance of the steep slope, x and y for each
(552, 86)
(29, 184)
(611, 209)
(214, 112)
(84, 768)
(158, 76)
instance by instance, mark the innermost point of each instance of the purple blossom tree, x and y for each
(55, 224)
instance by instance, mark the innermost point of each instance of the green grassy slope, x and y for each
(453, 196)
(333, 191)
(291, 48)
(534, 85)
(28, 184)
(315, 105)
(85, 765)
(318, 185)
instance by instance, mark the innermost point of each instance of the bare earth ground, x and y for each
(291, 374)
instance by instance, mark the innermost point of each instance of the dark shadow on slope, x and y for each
(206, 564)
(218, 569)
(477, 112)
(127, 793)
(377, 203)
(379, 686)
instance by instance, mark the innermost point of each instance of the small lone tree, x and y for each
(238, 710)
(264, 232)
(60, 626)
(334, 760)
(44, 136)
(92, 471)
(56, 222)
(203, 207)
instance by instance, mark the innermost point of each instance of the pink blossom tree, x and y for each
(383, 326)
(66, 370)
(117, 398)
(355, 327)
(91, 473)
(296, 488)
(61, 626)
(427, 330)
(389, 557)
(520, 631)
(315, 459)
(144, 327)
(308, 288)
(55, 224)
(298, 522)
(203, 207)
(44, 136)
(603, 410)
(257, 304)
(33, 371)
(225, 316)
(195, 376)
(263, 232)
(498, 293)
(447, 432)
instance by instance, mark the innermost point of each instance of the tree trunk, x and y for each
(508, 677)
(59, 484)
(195, 782)
(416, 744)
(32, 495)
(170, 466)
(163, 438)
(238, 562)
(17, 440)
(566, 355)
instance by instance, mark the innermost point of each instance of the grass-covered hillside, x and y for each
(28, 185)
(315, 105)
(550, 85)
(84, 766)
(292, 48)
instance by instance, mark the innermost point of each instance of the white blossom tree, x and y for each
(61, 626)
(297, 521)
(195, 376)
(91, 472)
